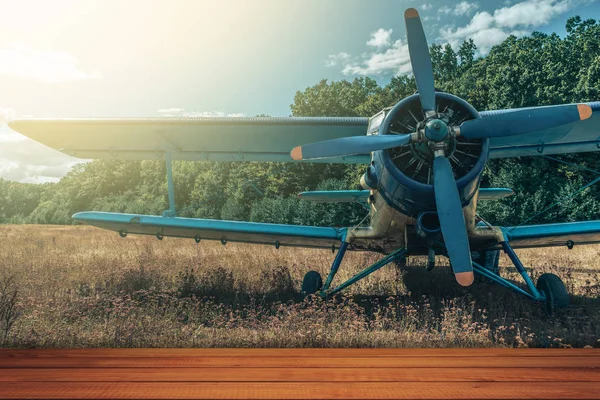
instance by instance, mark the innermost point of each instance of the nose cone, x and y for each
(436, 130)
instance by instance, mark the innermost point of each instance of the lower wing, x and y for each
(210, 229)
(564, 234)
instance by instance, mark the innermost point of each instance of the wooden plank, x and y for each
(314, 390)
(300, 362)
(300, 375)
(318, 353)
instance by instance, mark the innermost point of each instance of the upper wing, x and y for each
(209, 229)
(262, 139)
(193, 139)
(577, 137)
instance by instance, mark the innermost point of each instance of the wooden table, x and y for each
(300, 373)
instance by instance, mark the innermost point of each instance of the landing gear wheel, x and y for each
(312, 282)
(555, 291)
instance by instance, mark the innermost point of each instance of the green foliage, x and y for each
(538, 69)
(18, 200)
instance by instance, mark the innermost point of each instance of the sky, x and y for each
(114, 58)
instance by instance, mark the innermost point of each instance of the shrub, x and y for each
(9, 305)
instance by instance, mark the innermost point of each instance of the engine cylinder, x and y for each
(404, 174)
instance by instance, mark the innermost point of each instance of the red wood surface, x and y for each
(300, 373)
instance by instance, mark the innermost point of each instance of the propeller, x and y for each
(420, 59)
(447, 198)
(452, 220)
(524, 121)
(348, 146)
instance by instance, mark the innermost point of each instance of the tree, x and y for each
(538, 69)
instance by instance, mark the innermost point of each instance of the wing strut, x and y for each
(171, 212)
(326, 292)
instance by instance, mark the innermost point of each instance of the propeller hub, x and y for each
(436, 130)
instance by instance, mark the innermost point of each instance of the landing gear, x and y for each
(312, 283)
(325, 290)
(549, 290)
(554, 291)
(489, 260)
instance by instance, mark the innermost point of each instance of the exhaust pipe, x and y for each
(428, 224)
(369, 179)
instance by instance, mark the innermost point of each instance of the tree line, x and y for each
(539, 69)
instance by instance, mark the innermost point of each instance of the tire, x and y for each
(312, 282)
(555, 291)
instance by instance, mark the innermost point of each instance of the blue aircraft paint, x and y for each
(436, 130)
(553, 234)
(252, 232)
(341, 196)
(577, 137)
(409, 196)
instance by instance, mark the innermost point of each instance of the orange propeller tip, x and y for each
(411, 13)
(296, 153)
(585, 111)
(465, 278)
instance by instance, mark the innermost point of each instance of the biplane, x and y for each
(424, 159)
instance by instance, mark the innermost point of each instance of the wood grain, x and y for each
(300, 373)
(315, 390)
(301, 362)
(305, 353)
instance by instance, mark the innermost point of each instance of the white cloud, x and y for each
(213, 114)
(531, 13)
(485, 28)
(380, 38)
(44, 66)
(169, 110)
(25, 160)
(488, 29)
(462, 8)
(180, 112)
(6, 114)
(33, 173)
(395, 60)
(425, 6)
(335, 59)
(465, 8)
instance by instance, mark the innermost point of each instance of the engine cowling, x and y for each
(404, 175)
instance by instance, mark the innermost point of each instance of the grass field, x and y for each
(84, 287)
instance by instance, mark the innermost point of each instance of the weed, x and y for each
(85, 287)
(10, 308)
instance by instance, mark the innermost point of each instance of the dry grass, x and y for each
(84, 287)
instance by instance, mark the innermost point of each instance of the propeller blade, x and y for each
(348, 146)
(525, 121)
(420, 59)
(452, 221)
